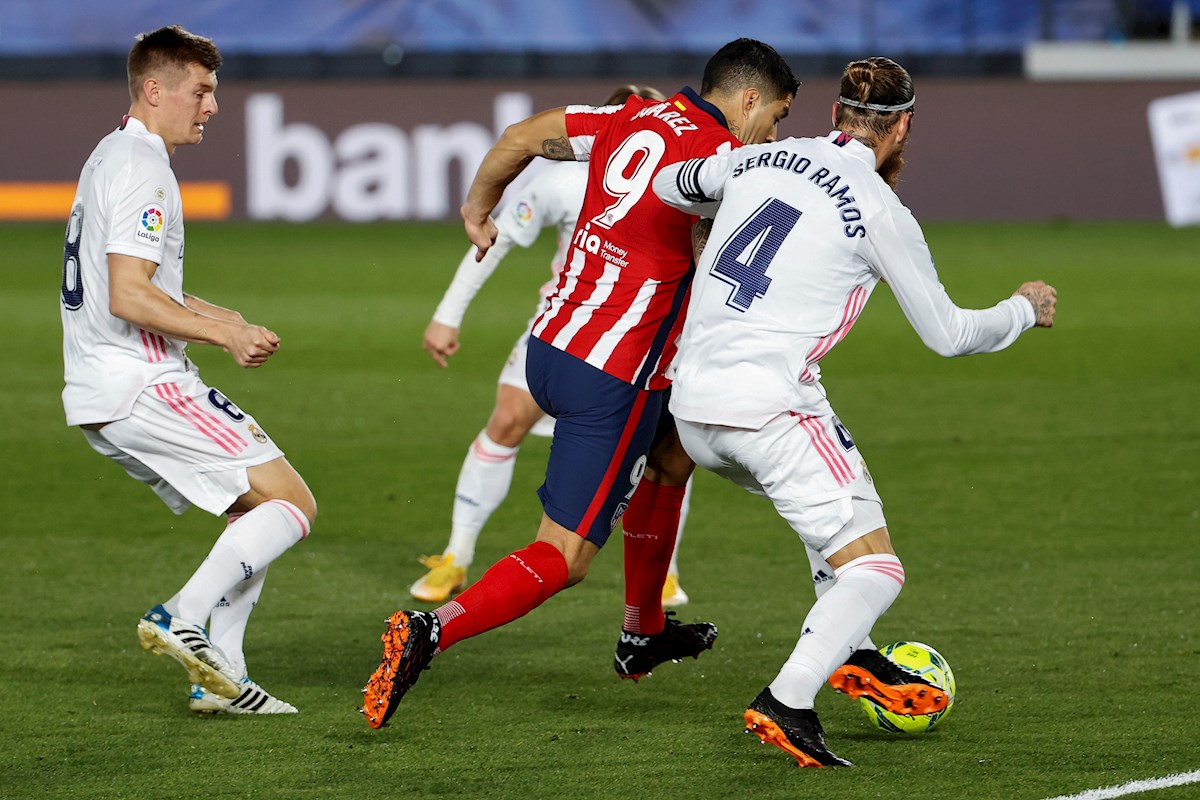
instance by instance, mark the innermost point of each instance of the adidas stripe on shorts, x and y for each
(808, 466)
(189, 443)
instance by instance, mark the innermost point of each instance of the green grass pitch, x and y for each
(1045, 501)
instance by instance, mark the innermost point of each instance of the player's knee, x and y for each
(878, 577)
(669, 464)
(670, 469)
(577, 569)
(299, 495)
(506, 428)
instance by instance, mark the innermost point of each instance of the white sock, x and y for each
(673, 569)
(822, 575)
(246, 547)
(864, 589)
(227, 625)
(483, 483)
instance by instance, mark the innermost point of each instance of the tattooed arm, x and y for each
(700, 232)
(1043, 298)
(543, 134)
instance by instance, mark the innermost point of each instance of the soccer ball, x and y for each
(930, 665)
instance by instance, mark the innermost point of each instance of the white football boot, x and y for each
(253, 700)
(160, 633)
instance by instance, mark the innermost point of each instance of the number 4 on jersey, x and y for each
(743, 260)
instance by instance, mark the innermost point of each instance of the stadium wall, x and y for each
(985, 149)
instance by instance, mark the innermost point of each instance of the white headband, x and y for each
(846, 101)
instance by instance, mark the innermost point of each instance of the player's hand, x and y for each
(252, 345)
(1044, 299)
(441, 342)
(481, 232)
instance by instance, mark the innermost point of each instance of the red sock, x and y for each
(650, 524)
(510, 589)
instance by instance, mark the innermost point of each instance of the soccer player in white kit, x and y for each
(137, 397)
(551, 199)
(805, 230)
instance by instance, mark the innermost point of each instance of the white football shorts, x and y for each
(513, 375)
(189, 443)
(808, 466)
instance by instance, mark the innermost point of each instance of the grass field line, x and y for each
(1148, 785)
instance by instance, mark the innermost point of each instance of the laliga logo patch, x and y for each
(523, 212)
(150, 223)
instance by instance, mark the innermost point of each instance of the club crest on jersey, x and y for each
(150, 224)
(257, 433)
(616, 517)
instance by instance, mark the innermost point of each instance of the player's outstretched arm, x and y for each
(902, 257)
(543, 134)
(1043, 298)
(133, 298)
(441, 342)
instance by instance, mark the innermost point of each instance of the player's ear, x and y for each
(833, 113)
(750, 98)
(152, 91)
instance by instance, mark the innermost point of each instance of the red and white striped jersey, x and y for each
(127, 202)
(620, 302)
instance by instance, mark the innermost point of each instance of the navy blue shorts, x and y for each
(604, 429)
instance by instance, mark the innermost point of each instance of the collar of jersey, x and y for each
(136, 127)
(704, 106)
(855, 148)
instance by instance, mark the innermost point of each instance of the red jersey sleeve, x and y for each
(585, 123)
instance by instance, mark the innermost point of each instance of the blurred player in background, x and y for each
(138, 398)
(806, 229)
(551, 199)
(597, 360)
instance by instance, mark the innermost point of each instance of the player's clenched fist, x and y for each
(252, 345)
(1043, 297)
(481, 230)
(441, 342)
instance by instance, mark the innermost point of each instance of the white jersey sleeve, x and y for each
(901, 257)
(468, 280)
(806, 229)
(551, 199)
(143, 204)
(127, 203)
(697, 185)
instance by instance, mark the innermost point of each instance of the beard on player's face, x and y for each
(893, 165)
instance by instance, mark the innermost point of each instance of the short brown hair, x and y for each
(170, 46)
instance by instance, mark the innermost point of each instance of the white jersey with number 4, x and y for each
(806, 229)
(127, 202)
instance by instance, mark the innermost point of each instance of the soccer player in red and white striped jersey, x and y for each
(598, 360)
(553, 198)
